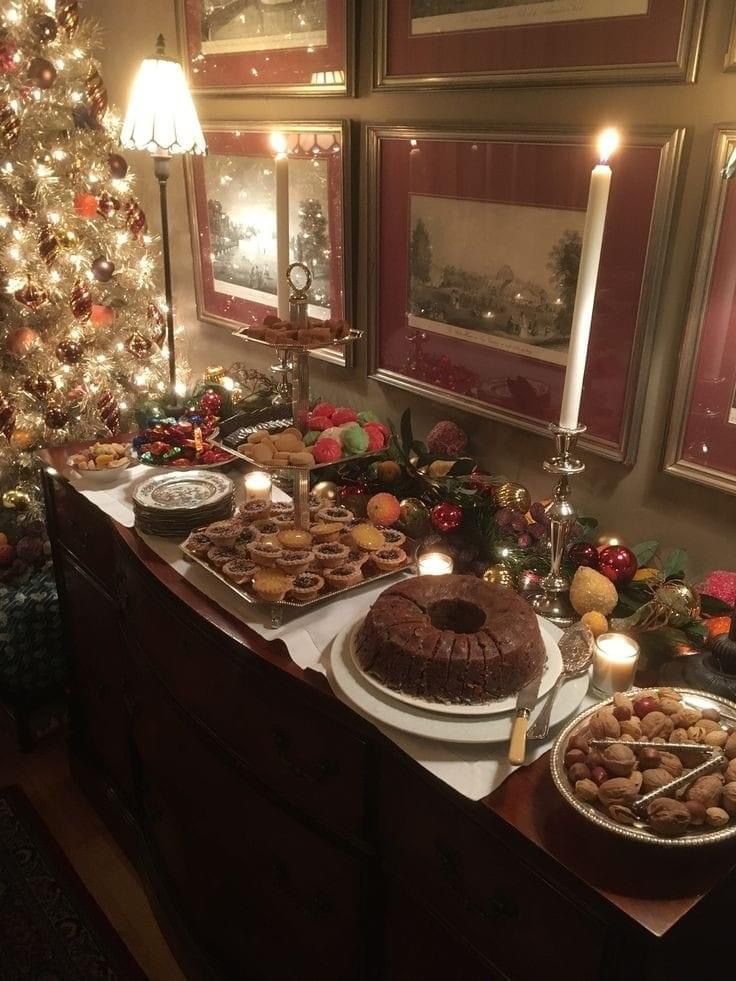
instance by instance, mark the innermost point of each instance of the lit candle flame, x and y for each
(608, 143)
(279, 144)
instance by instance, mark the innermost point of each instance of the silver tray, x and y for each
(640, 831)
(278, 609)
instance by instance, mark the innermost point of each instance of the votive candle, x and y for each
(434, 564)
(257, 486)
(614, 663)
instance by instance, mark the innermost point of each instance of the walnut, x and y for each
(587, 791)
(655, 724)
(686, 717)
(668, 817)
(716, 817)
(678, 736)
(604, 726)
(619, 760)
(654, 779)
(730, 748)
(697, 812)
(619, 790)
(671, 763)
(669, 693)
(623, 707)
(621, 814)
(716, 738)
(730, 773)
(669, 706)
(631, 727)
(728, 798)
(708, 790)
(636, 778)
(697, 733)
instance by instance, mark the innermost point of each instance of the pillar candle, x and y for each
(279, 144)
(257, 486)
(595, 221)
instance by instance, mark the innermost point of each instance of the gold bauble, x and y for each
(325, 490)
(22, 439)
(679, 598)
(16, 500)
(529, 583)
(499, 575)
(511, 495)
(608, 538)
(214, 375)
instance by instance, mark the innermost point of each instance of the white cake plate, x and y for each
(367, 700)
(499, 706)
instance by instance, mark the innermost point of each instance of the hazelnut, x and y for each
(686, 717)
(730, 773)
(717, 737)
(649, 758)
(578, 771)
(697, 812)
(668, 817)
(671, 763)
(594, 758)
(708, 790)
(669, 706)
(656, 724)
(623, 707)
(573, 756)
(587, 791)
(598, 775)
(728, 798)
(678, 736)
(716, 817)
(604, 726)
(730, 748)
(631, 727)
(621, 814)
(712, 714)
(669, 693)
(619, 790)
(654, 779)
(619, 760)
(580, 740)
(636, 778)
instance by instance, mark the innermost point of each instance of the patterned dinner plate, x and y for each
(183, 491)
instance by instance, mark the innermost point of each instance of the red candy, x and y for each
(323, 409)
(376, 435)
(316, 422)
(326, 450)
(343, 415)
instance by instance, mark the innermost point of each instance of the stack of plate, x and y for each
(173, 504)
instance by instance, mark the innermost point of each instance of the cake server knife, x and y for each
(525, 702)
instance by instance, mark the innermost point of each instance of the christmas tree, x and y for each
(81, 319)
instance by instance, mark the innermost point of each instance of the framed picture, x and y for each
(256, 47)
(701, 443)
(232, 208)
(729, 64)
(475, 251)
(465, 43)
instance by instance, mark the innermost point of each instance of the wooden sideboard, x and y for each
(281, 836)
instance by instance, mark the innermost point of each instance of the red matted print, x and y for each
(480, 42)
(233, 210)
(702, 440)
(477, 247)
(296, 46)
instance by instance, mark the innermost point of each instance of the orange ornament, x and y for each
(717, 625)
(102, 315)
(85, 205)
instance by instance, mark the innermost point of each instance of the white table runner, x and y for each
(473, 771)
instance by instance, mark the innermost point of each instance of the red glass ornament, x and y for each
(583, 553)
(617, 563)
(106, 206)
(101, 315)
(85, 205)
(354, 497)
(135, 217)
(210, 403)
(446, 517)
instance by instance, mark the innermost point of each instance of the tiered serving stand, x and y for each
(293, 361)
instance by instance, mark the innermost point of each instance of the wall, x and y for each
(640, 501)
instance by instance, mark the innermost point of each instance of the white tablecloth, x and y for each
(472, 770)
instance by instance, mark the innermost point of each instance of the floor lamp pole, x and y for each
(162, 168)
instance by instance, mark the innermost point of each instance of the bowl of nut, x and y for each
(101, 462)
(653, 765)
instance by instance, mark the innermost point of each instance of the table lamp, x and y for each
(162, 120)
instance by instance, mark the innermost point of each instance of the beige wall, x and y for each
(640, 501)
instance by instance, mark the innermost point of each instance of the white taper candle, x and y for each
(595, 222)
(279, 144)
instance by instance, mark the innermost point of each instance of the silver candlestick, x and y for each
(553, 603)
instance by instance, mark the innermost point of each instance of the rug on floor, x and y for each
(51, 929)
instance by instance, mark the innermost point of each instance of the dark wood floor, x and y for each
(44, 776)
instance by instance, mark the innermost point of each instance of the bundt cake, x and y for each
(453, 639)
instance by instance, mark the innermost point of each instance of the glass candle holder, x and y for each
(434, 564)
(258, 486)
(614, 663)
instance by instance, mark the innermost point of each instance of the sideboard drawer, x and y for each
(499, 904)
(86, 532)
(280, 736)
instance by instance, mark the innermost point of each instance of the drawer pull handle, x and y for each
(316, 906)
(494, 907)
(321, 772)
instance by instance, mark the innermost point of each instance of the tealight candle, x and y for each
(257, 486)
(434, 564)
(614, 663)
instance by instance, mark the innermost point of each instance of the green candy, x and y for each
(312, 436)
(354, 440)
(367, 416)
